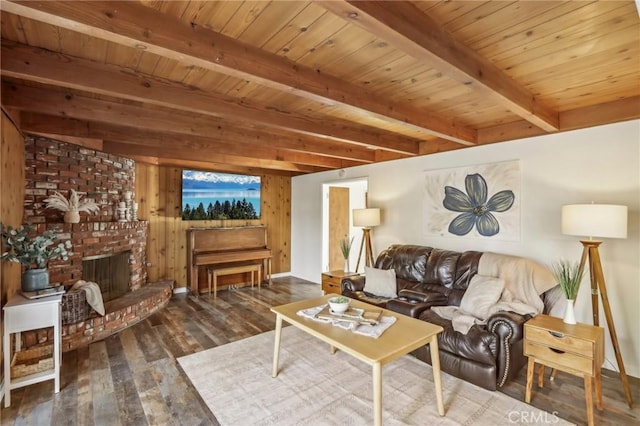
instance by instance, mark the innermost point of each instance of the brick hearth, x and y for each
(119, 314)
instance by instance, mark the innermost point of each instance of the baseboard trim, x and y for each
(281, 275)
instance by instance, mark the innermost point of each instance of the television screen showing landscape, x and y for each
(219, 196)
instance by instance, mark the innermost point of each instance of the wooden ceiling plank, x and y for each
(402, 24)
(62, 103)
(549, 57)
(602, 92)
(119, 22)
(284, 12)
(579, 118)
(46, 67)
(522, 34)
(244, 16)
(516, 14)
(597, 16)
(484, 10)
(11, 28)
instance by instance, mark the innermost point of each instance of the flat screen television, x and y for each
(219, 196)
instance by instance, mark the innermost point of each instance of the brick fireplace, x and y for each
(57, 166)
(99, 239)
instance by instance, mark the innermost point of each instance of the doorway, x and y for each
(339, 199)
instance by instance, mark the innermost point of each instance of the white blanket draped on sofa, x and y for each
(503, 283)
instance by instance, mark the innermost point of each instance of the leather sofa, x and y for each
(488, 355)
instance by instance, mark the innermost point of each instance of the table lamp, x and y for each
(367, 218)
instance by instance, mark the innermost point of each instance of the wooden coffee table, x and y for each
(406, 335)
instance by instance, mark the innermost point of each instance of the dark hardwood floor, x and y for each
(132, 378)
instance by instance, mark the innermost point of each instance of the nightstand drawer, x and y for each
(330, 286)
(560, 341)
(566, 361)
(331, 281)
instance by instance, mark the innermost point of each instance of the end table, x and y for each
(576, 349)
(22, 314)
(331, 281)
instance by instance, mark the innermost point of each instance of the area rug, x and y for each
(314, 387)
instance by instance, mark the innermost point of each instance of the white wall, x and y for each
(601, 164)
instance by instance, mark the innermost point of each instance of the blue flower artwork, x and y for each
(474, 201)
(474, 208)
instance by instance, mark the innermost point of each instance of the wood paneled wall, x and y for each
(11, 197)
(11, 200)
(159, 195)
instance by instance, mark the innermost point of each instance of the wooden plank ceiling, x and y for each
(282, 87)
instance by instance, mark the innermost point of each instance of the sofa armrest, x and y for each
(352, 284)
(411, 308)
(509, 327)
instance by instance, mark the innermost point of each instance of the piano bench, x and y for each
(215, 271)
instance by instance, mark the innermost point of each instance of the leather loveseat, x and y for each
(488, 355)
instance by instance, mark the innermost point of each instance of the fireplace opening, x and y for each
(111, 272)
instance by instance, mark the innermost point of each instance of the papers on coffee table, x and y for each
(356, 315)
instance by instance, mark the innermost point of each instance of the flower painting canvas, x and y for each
(476, 201)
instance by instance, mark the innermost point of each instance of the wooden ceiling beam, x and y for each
(579, 118)
(206, 166)
(141, 27)
(91, 143)
(64, 103)
(409, 29)
(127, 149)
(43, 66)
(41, 123)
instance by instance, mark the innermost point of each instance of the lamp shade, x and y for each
(595, 220)
(366, 217)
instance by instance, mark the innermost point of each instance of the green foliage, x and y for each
(345, 246)
(32, 251)
(235, 209)
(568, 275)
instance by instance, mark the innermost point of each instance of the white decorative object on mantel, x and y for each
(71, 207)
(122, 214)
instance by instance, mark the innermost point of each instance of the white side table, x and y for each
(22, 314)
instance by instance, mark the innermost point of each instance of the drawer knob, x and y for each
(556, 334)
(558, 351)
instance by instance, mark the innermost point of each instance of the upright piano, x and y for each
(214, 246)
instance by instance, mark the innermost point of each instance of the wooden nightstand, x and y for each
(331, 281)
(576, 349)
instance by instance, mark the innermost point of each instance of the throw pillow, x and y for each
(483, 292)
(380, 282)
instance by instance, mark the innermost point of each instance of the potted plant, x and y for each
(32, 252)
(72, 206)
(345, 248)
(568, 275)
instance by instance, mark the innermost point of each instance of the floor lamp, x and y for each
(367, 218)
(604, 221)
